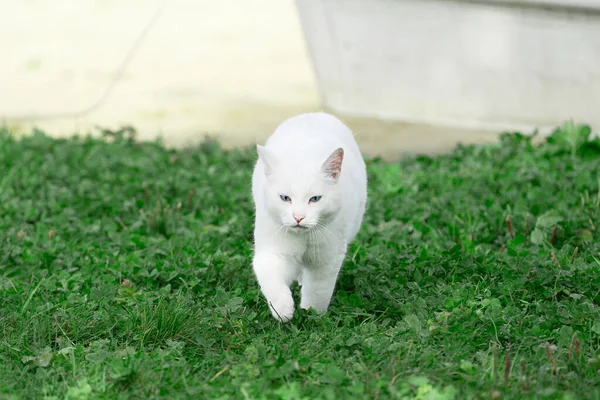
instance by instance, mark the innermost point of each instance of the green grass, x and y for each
(125, 273)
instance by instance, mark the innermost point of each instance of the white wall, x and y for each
(229, 67)
(481, 64)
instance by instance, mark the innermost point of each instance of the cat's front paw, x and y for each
(282, 308)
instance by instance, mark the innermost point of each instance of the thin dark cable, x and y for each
(117, 77)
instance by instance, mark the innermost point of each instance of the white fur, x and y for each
(299, 161)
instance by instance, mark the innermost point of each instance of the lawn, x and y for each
(125, 273)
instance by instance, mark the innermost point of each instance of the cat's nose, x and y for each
(298, 218)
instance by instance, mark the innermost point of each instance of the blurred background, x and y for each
(405, 77)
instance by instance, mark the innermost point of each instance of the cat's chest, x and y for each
(310, 251)
(306, 258)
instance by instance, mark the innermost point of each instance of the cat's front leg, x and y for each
(275, 275)
(318, 283)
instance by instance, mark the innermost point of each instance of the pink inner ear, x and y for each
(333, 165)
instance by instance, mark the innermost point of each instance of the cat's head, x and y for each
(302, 197)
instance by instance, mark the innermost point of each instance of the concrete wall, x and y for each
(485, 64)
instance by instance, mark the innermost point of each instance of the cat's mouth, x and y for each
(299, 227)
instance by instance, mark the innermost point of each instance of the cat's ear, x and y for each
(332, 167)
(267, 157)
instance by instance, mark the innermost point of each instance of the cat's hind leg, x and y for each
(275, 275)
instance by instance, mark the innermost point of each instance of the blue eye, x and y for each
(285, 198)
(314, 199)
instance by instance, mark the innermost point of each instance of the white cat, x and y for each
(310, 189)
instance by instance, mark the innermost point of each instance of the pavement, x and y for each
(230, 69)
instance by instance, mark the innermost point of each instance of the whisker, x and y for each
(318, 230)
(280, 228)
(316, 244)
(320, 233)
(322, 228)
(320, 225)
(310, 243)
